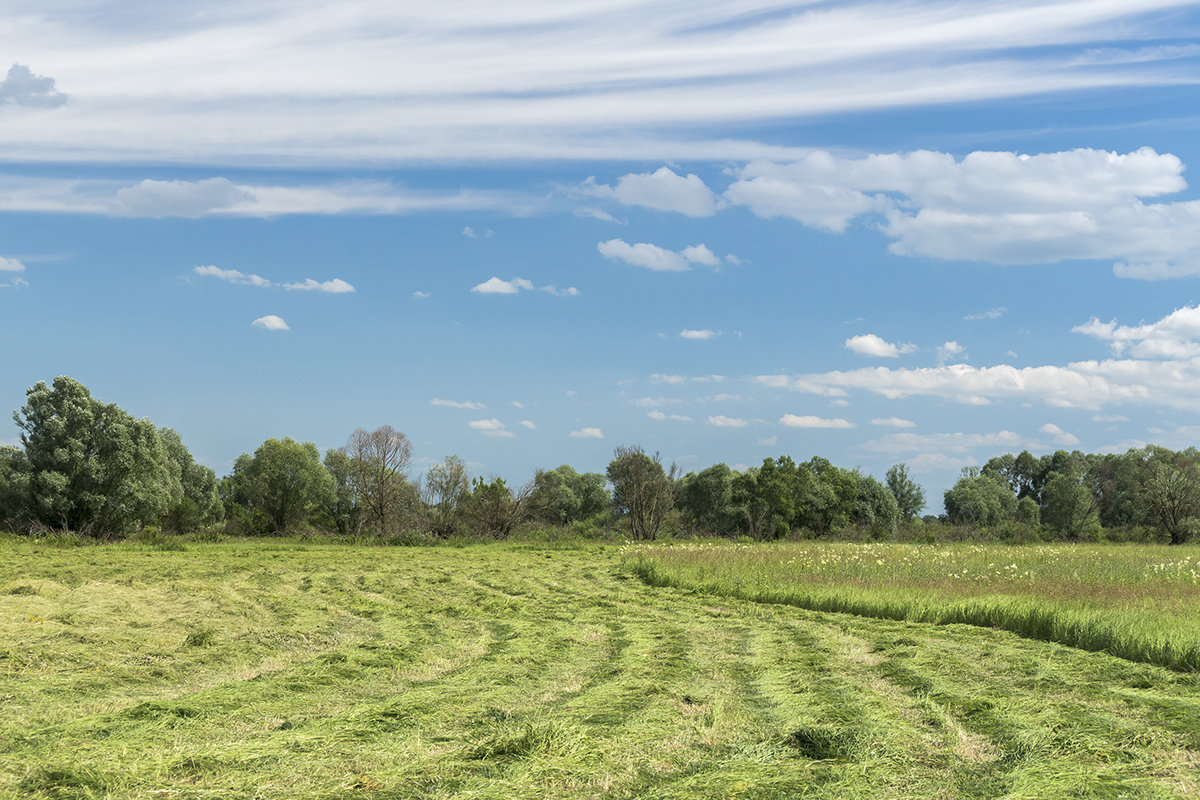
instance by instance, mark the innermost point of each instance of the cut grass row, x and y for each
(286, 670)
(1137, 602)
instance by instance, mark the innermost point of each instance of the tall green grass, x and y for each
(1137, 602)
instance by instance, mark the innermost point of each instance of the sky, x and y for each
(526, 233)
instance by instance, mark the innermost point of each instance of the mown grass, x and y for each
(284, 669)
(1137, 602)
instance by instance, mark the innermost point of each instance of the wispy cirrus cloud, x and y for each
(494, 285)
(239, 278)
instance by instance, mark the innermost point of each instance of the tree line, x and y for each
(92, 468)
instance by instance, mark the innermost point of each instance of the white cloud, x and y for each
(11, 265)
(596, 213)
(22, 87)
(1061, 437)
(1173, 336)
(655, 402)
(673, 380)
(469, 232)
(468, 404)
(526, 423)
(794, 421)
(991, 313)
(659, 416)
(722, 421)
(871, 345)
(702, 335)
(271, 323)
(587, 433)
(335, 286)
(1110, 418)
(998, 207)
(233, 276)
(494, 285)
(901, 443)
(949, 350)
(491, 427)
(700, 254)
(649, 256)
(152, 198)
(893, 422)
(419, 295)
(767, 441)
(662, 190)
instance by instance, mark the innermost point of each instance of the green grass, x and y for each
(293, 670)
(1138, 602)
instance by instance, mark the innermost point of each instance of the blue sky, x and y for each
(927, 232)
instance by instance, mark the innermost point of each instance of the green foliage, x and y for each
(706, 500)
(89, 466)
(1070, 507)
(494, 509)
(281, 487)
(445, 488)
(198, 503)
(875, 507)
(562, 496)
(643, 492)
(980, 498)
(910, 497)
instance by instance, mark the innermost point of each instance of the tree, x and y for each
(14, 487)
(342, 510)
(495, 509)
(707, 499)
(979, 499)
(642, 489)
(198, 502)
(379, 463)
(910, 497)
(875, 506)
(444, 489)
(561, 496)
(1070, 506)
(283, 484)
(1174, 498)
(91, 467)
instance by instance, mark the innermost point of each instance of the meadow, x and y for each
(290, 669)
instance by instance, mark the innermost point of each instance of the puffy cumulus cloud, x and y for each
(659, 416)
(722, 421)
(998, 207)
(21, 87)
(950, 351)
(495, 285)
(233, 276)
(193, 199)
(491, 427)
(11, 265)
(869, 344)
(527, 423)
(335, 286)
(271, 323)
(702, 335)
(655, 258)
(1061, 437)
(700, 254)
(468, 404)
(662, 190)
(1080, 384)
(893, 422)
(1173, 336)
(587, 433)
(794, 421)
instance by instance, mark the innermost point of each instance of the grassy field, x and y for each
(285, 669)
(1138, 602)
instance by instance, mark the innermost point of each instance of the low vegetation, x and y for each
(287, 669)
(1140, 603)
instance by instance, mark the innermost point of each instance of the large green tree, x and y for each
(561, 496)
(283, 485)
(910, 497)
(90, 466)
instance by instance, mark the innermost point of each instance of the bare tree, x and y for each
(642, 489)
(380, 461)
